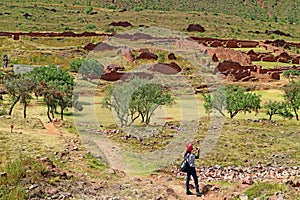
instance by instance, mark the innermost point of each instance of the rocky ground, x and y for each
(70, 172)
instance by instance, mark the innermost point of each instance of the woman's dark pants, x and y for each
(192, 172)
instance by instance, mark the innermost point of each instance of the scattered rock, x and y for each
(111, 171)
(26, 15)
(75, 148)
(31, 187)
(3, 174)
(243, 197)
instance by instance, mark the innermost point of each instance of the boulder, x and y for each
(248, 44)
(296, 60)
(275, 75)
(89, 47)
(215, 58)
(112, 76)
(122, 24)
(147, 55)
(171, 68)
(269, 58)
(172, 56)
(231, 44)
(216, 43)
(195, 28)
(226, 66)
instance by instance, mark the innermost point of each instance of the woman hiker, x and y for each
(190, 157)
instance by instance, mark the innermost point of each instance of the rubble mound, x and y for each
(148, 56)
(122, 24)
(196, 28)
(171, 68)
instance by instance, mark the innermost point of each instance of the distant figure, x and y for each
(5, 61)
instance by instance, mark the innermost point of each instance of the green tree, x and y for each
(277, 108)
(56, 86)
(147, 98)
(215, 100)
(232, 99)
(61, 95)
(20, 88)
(292, 96)
(90, 67)
(138, 98)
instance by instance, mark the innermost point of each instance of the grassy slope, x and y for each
(74, 18)
(284, 11)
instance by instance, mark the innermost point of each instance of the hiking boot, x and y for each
(199, 194)
(189, 192)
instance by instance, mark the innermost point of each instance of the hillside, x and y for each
(72, 144)
(268, 10)
(259, 9)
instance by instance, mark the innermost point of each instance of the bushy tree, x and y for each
(215, 100)
(232, 99)
(56, 86)
(277, 108)
(90, 67)
(20, 88)
(147, 98)
(292, 96)
(138, 98)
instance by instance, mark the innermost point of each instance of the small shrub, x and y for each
(161, 58)
(109, 29)
(21, 171)
(138, 8)
(75, 65)
(90, 26)
(112, 6)
(264, 190)
(94, 162)
(89, 10)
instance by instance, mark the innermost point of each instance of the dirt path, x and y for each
(51, 129)
(112, 154)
